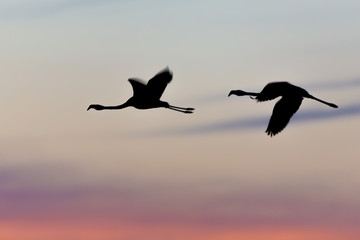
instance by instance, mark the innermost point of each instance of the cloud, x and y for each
(30, 10)
(335, 84)
(51, 192)
(32, 195)
(310, 115)
(247, 124)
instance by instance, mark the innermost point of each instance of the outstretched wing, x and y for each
(284, 109)
(157, 84)
(139, 88)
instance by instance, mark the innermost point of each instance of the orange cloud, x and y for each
(91, 230)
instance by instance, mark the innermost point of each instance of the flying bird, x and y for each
(146, 96)
(286, 107)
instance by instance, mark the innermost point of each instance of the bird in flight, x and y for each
(146, 96)
(286, 107)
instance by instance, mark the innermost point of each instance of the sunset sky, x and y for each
(68, 173)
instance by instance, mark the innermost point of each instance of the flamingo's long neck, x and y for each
(252, 94)
(116, 107)
(101, 107)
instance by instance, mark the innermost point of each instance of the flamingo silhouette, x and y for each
(286, 107)
(148, 95)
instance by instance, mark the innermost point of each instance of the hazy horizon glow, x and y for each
(68, 173)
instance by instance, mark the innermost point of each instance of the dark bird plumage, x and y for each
(148, 95)
(286, 107)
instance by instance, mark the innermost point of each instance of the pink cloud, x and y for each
(29, 196)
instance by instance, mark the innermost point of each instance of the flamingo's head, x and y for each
(237, 93)
(96, 107)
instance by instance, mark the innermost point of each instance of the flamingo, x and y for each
(146, 96)
(286, 107)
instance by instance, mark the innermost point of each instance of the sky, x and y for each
(68, 173)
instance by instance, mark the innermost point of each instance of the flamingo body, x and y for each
(286, 107)
(146, 96)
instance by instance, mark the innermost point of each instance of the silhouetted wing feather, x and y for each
(139, 88)
(273, 90)
(284, 109)
(156, 85)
